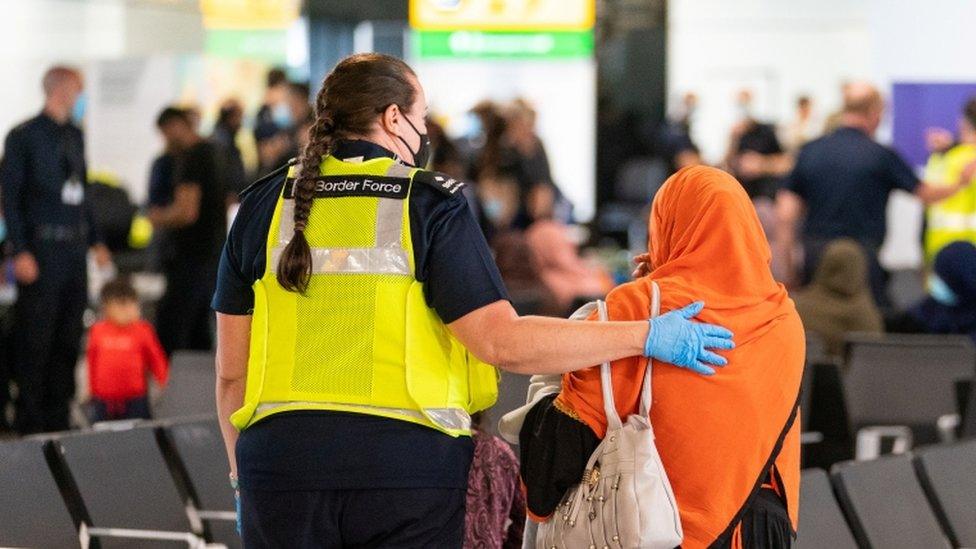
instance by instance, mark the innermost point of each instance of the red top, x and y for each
(119, 357)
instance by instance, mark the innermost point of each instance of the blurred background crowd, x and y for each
(865, 188)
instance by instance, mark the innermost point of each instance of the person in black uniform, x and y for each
(50, 229)
(194, 220)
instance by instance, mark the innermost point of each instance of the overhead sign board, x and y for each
(502, 15)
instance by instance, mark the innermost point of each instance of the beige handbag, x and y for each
(624, 499)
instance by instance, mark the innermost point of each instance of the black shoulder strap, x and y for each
(444, 183)
(270, 177)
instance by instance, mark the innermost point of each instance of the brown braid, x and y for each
(352, 97)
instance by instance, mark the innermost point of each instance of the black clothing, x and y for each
(201, 240)
(554, 450)
(161, 180)
(43, 180)
(286, 452)
(354, 519)
(845, 178)
(759, 138)
(40, 157)
(190, 255)
(132, 408)
(232, 163)
(323, 450)
(48, 325)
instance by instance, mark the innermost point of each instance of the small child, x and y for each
(121, 349)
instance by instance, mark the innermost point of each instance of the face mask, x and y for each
(78, 109)
(941, 292)
(493, 208)
(422, 155)
(3, 229)
(281, 115)
(472, 123)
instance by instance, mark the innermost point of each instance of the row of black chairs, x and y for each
(912, 389)
(148, 484)
(925, 499)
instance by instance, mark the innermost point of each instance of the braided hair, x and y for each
(353, 96)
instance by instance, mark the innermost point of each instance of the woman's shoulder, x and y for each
(630, 300)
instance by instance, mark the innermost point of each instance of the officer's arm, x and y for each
(183, 211)
(540, 345)
(13, 174)
(233, 341)
(930, 194)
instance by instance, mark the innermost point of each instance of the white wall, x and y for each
(782, 48)
(778, 48)
(93, 34)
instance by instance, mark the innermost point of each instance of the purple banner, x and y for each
(918, 106)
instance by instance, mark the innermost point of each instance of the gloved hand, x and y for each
(675, 339)
(237, 507)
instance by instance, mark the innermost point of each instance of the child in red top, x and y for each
(122, 348)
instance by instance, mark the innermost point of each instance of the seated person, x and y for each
(839, 299)
(950, 307)
(565, 274)
(729, 442)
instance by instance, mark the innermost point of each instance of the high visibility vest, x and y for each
(955, 217)
(362, 337)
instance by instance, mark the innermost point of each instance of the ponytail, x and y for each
(357, 90)
(295, 263)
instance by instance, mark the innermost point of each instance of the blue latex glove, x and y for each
(675, 339)
(237, 507)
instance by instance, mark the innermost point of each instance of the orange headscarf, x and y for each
(717, 436)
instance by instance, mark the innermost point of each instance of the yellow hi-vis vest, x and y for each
(362, 338)
(954, 218)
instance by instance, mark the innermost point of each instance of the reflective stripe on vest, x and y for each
(387, 256)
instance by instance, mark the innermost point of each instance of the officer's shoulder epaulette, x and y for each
(273, 176)
(444, 183)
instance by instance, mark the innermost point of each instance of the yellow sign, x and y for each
(249, 14)
(515, 15)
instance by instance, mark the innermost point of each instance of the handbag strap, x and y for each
(645, 403)
(606, 380)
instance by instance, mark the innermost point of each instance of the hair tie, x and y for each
(300, 225)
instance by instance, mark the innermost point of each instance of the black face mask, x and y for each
(422, 155)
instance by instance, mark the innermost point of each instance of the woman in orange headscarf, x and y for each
(729, 442)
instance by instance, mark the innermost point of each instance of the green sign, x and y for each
(502, 44)
(268, 45)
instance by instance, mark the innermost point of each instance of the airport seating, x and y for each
(948, 475)
(199, 447)
(906, 383)
(34, 513)
(125, 485)
(885, 505)
(822, 524)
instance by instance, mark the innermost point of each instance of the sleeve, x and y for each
(242, 261)
(191, 167)
(155, 357)
(453, 260)
(13, 180)
(234, 294)
(94, 234)
(898, 173)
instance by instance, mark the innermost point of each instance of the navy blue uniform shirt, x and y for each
(333, 450)
(39, 157)
(845, 178)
